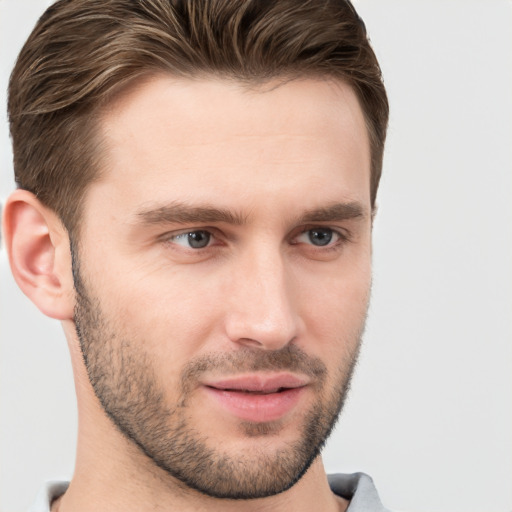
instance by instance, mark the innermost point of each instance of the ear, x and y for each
(37, 244)
(374, 213)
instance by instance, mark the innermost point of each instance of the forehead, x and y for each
(208, 138)
(196, 106)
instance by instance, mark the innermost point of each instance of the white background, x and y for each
(430, 414)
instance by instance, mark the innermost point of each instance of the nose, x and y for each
(262, 311)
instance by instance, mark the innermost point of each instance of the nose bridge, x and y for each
(262, 310)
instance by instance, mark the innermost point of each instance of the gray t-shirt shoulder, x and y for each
(51, 491)
(358, 488)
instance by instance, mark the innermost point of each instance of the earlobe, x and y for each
(38, 247)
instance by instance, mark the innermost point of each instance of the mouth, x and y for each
(258, 398)
(252, 392)
(259, 383)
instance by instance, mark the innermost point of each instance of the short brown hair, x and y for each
(82, 51)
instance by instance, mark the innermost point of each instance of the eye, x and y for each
(193, 239)
(320, 237)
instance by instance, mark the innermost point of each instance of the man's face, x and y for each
(223, 275)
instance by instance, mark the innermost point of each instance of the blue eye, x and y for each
(320, 237)
(193, 239)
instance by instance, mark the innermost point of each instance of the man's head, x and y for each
(215, 166)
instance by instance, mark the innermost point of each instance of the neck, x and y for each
(102, 489)
(108, 481)
(112, 474)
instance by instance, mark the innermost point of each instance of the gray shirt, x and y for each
(357, 488)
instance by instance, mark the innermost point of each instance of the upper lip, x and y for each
(265, 383)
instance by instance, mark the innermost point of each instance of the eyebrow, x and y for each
(334, 213)
(182, 213)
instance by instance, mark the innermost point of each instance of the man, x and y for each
(197, 183)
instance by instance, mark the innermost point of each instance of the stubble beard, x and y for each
(124, 381)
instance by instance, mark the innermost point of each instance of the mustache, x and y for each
(290, 358)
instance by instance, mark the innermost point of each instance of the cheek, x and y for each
(335, 310)
(169, 315)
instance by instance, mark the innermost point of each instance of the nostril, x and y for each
(249, 342)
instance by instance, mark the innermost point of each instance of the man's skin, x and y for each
(257, 170)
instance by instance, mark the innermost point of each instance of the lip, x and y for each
(258, 398)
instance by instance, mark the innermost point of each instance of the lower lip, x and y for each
(255, 407)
